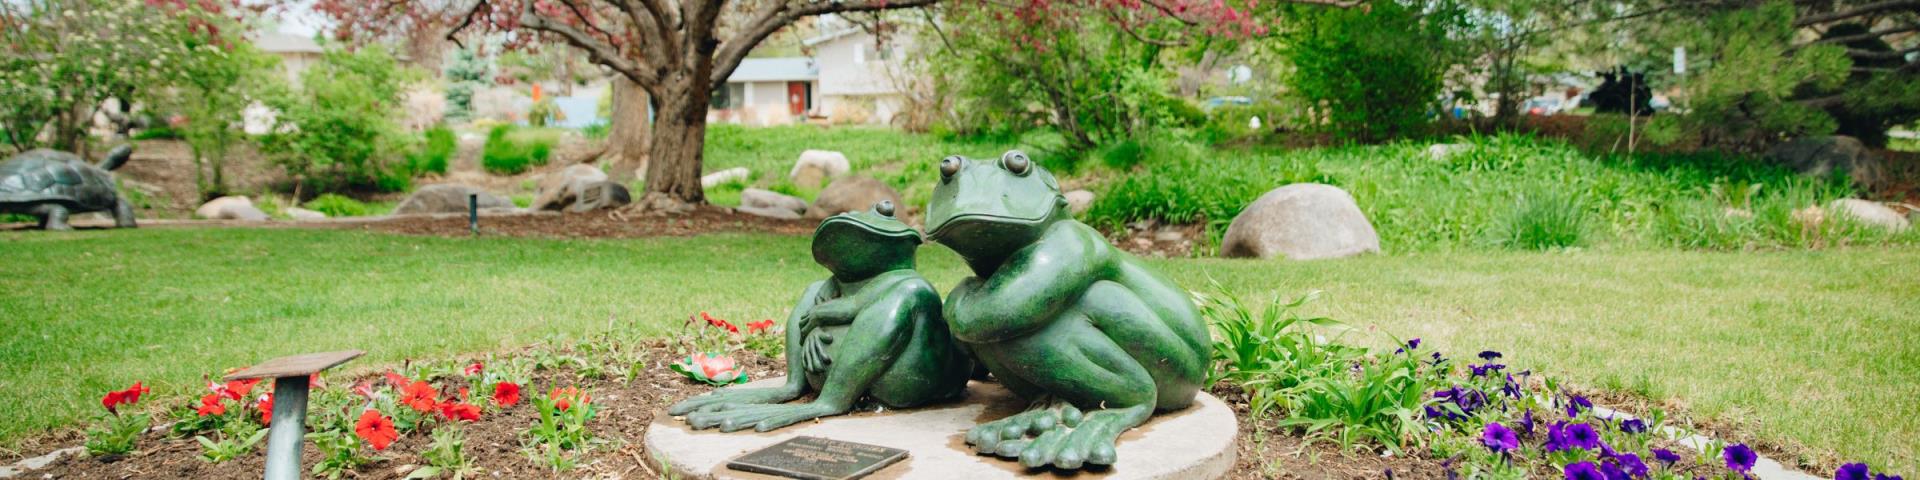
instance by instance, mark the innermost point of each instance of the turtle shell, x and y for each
(52, 176)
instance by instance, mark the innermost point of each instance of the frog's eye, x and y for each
(950, 166)
(884, 208)
(1015, 161)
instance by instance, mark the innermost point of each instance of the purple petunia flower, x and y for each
(1851, 471)
(1739, 458)
(1882, 476)
(1483, 370)
(1413, 344)
(1489, 355)
(1665, 456)
(1511, 388)
(1584, 471)
(1612, 472)
(1499, 438)
(1526, 422)
(1632, 464)
(1581, 435)
(1633, 425)
(1576, 404)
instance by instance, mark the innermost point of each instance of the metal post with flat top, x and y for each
(290, 387)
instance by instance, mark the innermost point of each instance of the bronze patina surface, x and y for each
(871, 331)
(53, 185)
(1095, 340)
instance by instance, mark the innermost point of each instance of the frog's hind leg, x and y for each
(1075, 363)
(1153, 335)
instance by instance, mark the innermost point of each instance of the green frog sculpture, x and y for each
(872, 331)
(1085, 332)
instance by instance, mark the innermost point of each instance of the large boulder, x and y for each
(848, 194)
(302, 214)
(449, 198)
(755, 198)
(558, 190)
(601, 195)
(1870, 213)
(1303, 221)
(732, 174)
(815, 166)
(230, 208)
(1821, 156)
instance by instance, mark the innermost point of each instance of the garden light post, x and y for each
(473, 213)
(290, 385)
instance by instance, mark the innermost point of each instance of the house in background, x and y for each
(767, 91)
(859, 76)
(296, 53)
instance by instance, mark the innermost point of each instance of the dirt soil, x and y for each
(626, 409)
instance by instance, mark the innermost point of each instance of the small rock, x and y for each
(449, 198)
(717, 178)
(1871, 213)
(1142, 243)
(230, 208)
(1169, 235)
(298, 213)
(1443, 151)
(1078, 201)
(757, 198)
(1731, 212)
(848, 194)
(1303, 221)
(815, 166)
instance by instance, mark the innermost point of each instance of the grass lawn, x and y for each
(1813, 347)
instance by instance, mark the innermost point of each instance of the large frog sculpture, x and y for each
(1092, 338)
(871, 331)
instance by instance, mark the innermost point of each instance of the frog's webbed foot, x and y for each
(1007, 437)
(1089, 443)
(760, 417)
(731, 398)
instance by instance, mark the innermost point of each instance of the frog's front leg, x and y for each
(733, 397)
(882, 332)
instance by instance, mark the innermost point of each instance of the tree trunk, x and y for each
(626, 151)
(679, 133)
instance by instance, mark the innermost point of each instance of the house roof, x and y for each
(835, 32)
(276, 42)
(775, 70)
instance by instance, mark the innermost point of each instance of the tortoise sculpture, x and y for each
(52, 184)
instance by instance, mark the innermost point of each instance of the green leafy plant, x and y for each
(339, 130)
(506, 155)
(446, 457)
(336, 205)
(435, 152)
(339, 453)
(1544, 220)
(236, 439)
(1398, 50)
(117, 434)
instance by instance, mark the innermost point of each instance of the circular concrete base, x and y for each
(1194, 443)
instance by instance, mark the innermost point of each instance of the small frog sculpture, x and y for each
(1095, 340)
(871, 331)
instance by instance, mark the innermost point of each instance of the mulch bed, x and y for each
(626, 409)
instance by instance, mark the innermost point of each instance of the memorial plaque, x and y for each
(815, 458)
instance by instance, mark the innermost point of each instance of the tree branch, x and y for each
(1870, 8)
(600, 52)
(771, 19)
(1889, 55)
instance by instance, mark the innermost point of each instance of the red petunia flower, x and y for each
(266, 409)
(114, 399)
(760, 327)
(564, 398)
(420, 396)
(211, 404)
(465, 412)
(397, 380)
(506, 394)
(719, 323)
(238, 389)
(376, 429)
(475, 369)
(364, 389)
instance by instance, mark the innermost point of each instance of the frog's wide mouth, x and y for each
(961, 222)
(847, 221)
